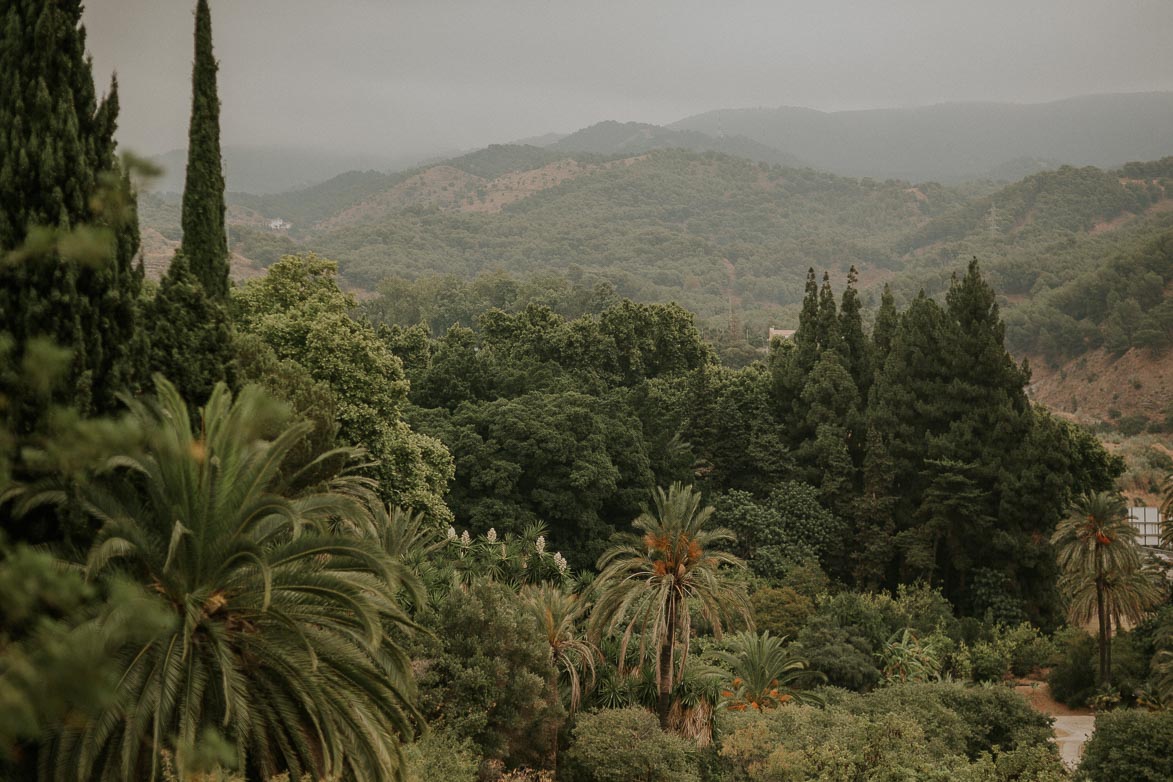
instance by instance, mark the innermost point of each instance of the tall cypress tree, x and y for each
(205, 241)
(57, 151)
(191, 331)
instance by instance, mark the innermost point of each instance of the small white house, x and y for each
(277, 224)
(781, 334)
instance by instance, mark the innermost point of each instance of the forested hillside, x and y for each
(730, 239)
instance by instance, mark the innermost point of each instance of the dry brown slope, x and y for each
(1090, 388)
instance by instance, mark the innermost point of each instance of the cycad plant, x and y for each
(651, 582)
(763, 674)
(1094, 547)
(281, 597)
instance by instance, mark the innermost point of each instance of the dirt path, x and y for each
(1073, 727)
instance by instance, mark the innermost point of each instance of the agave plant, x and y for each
(281, 598)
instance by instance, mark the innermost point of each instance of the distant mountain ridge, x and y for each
(266, 170)
(957, 141)
(633, 138)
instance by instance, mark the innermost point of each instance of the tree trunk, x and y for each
(1102, 617)
(1108, 645)
(667, 654)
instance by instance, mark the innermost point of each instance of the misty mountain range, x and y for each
(946, 143)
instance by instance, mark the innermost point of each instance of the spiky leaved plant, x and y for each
(282, 597)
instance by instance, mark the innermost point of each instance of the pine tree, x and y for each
(884, 328)
(57, 154)
(827, 321)
(806, 337)
(857, 351)
(205, 241)
(875, 527)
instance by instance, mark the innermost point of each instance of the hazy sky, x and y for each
(401, 77)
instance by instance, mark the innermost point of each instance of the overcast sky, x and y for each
(403, 77)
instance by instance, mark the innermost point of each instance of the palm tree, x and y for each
(1128, 596)
(557, 613)
(763, 673)
(651, 581)
(281, 596)
(1094, 545)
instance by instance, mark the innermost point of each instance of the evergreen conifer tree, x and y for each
(875, 527)
(205, 241)
(827, 321)
(57, 151)
(806, 336)
(857, 351)
(884, 328)
(191, 334)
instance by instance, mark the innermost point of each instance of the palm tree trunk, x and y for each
(1101, 616)
(1108, 645)
(667, 653)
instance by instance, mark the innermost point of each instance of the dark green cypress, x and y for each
(806, 337)
(57, 153)
(191, 333)
(205, 241)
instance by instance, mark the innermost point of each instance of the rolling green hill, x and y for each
(731, 238)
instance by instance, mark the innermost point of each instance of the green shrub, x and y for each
(781, 610)
(485, 672)
(1132, 425)
(805, 743)
(440, 755)
(1130, 745)
(627, 745)
(1029, 649)
(925, 609)
(1073, 678)
(963, 719)
(844, 656)
(990, 659)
